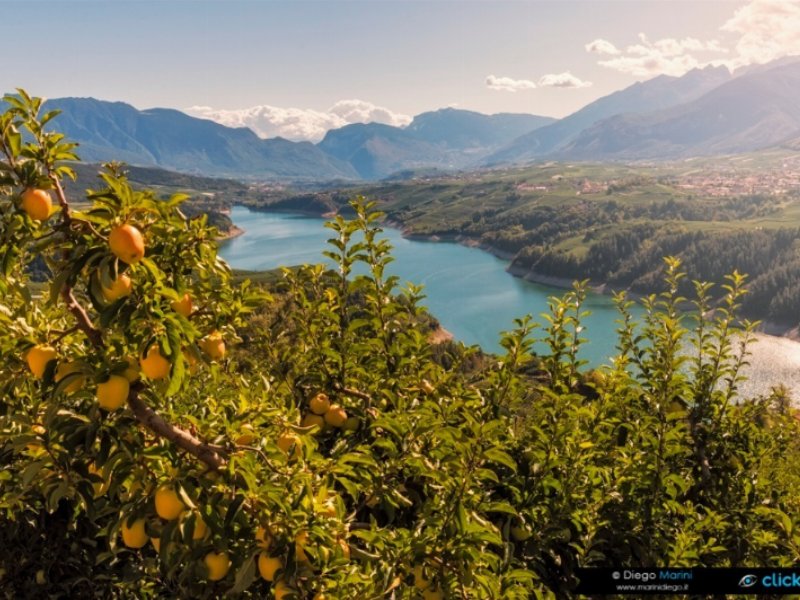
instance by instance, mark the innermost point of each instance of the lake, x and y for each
(468, 290)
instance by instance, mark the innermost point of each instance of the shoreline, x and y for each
(766, 328)
(774, 357)
(773, 352)
(291, 211)
(232, 233)
(440, 335)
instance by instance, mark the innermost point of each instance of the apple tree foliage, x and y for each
(438, 473)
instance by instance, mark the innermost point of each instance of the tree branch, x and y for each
(353, 392)
(84, 322)
(62, 334)
(147, 416)
(181, 438)
(66, 213)
(700, 453)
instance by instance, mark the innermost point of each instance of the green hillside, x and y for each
(613, 223)
(210, 196)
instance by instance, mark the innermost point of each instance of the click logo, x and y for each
(748, 581)
(781, 580)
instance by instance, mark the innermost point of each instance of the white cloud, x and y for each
(559, 80)
(271, 121)
(507, 84)
(358, 111)
(675, 47)
(760, 31)
(768, 29)
(667, 56)
(562, 80)
(601, 46)
(652, 64)
(300, 123)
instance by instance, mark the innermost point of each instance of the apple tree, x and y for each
(165, 432)
(140, 454)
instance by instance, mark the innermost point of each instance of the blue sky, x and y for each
(292, 62)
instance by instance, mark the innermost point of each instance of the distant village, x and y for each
(772, 182)
(717, 181)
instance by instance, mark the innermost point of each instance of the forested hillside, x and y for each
(613, 224)
(208, 196)
(632, 258)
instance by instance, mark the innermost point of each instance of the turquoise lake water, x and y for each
(467, 289)
(471, 293)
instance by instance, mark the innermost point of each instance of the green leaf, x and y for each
(32, 470)
(14, 140)
(245, 575)
(233, 510)
(499, 456)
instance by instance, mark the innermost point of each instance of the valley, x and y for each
(702, 166)
(489, 298)
(612, 223)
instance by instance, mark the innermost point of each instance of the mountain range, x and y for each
(173, 140)
(444, 139)
(747, 113)
(658, 93)
(705, 112)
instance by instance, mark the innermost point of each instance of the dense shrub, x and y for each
(444, 473)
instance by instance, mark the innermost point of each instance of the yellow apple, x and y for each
(213, 345)
(336, 416)
(320, 404)
(38, 357)
(122, 286)
(68, 368)
(268, 566)
(113, 393)
(154, 366)
(134, 536)
(168, 505)
(37, 204)
(127, 243)
(218, 565)
(183, 306)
